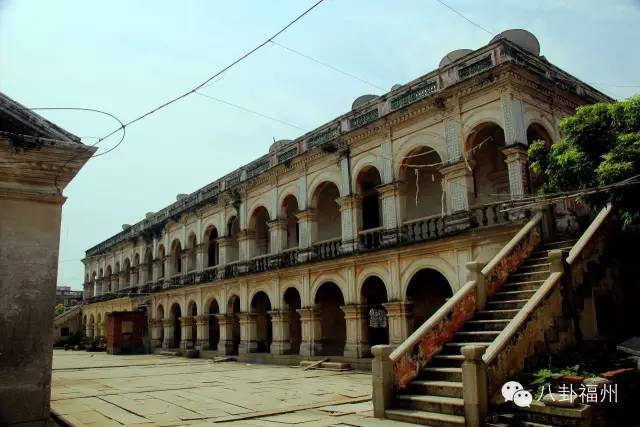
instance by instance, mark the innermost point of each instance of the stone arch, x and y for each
(322, 179)
(433, 140)
(373, 271)
(537, 131)
(329, 299)
(332, 277)
(369, 160)
(160, 255)
(192, 311)
(148, 262)
(428, 290)
(327, 210)
(160, 311)
(433, 263)
(126, 268)
(261, 202)
(490, 175)
(290, 189)
(261, 306)
(136, 269)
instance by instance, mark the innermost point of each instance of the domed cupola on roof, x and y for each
(522, 38)
(361, 100)
(453, 56)
(279, 143)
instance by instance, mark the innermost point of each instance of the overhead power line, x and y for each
(460, 14)
(257, 113)
(204, 83)
(331, 67)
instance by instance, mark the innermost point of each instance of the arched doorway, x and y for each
(260, 305)
(192, 309)
(423, 184)
(333, 328)
(292, 302)
(233, 309)
(160, 260)
(176, 314)
(214, 328)
(367, 183)
(427, 291)
(490, 176)
(176, 257)
(374, 294)
(192, 243)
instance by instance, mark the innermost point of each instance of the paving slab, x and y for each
(97, 389)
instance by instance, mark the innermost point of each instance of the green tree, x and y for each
(58, 310)
(600, 145)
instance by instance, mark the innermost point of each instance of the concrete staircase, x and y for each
(435, 397)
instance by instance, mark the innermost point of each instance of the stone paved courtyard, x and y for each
(104, 390)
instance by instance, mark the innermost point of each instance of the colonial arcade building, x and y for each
(350, 235)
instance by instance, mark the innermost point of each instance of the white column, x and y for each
(351, 218)
(516, 160)
(307, 229)
(278, 235)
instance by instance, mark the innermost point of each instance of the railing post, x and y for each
(475, 390)
(555, 261)
(474, 274)
(382, 379)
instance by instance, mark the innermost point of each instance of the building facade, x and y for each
(353, 234)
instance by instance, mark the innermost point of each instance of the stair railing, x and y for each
(586, 241)
(394, 369)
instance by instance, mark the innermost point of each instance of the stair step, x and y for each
(472, 336)
(424, 418)
(497, 314)
(429, 403)
(530, 275)
(442, 373)
(523, 284)
(537, 265)
(486, 325)
(447, 360)
(507, 304)
(437, 388)
(510, 295)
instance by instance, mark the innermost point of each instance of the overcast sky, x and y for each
(126, 57)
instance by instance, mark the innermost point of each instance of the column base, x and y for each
(156, 343)
(247, 347)
(357, 350)
(168, 343)
(310, 349)
(226, 348)
(349, 247)
(392, 237)
(186, 345)
(281, 347)
(203, 345)
(305, 255)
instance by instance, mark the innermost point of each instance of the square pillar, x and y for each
(516, 160)
(225, 323)
(475, 392)
(310, 344)
(201, 250)
(307, 230)
(115, 282)
(224, 250)
(351, 220)
(98, 287)
(277, 235)
(382, 379)
(281, 341)
(248, 333)
(168, 341)
(400, 318)
(458, 178)
(391, 219)
(186, 325)
(247, 244)
(202, 331)
(357, 342)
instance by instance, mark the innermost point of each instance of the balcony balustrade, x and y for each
(327, 249)
(418, 230)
